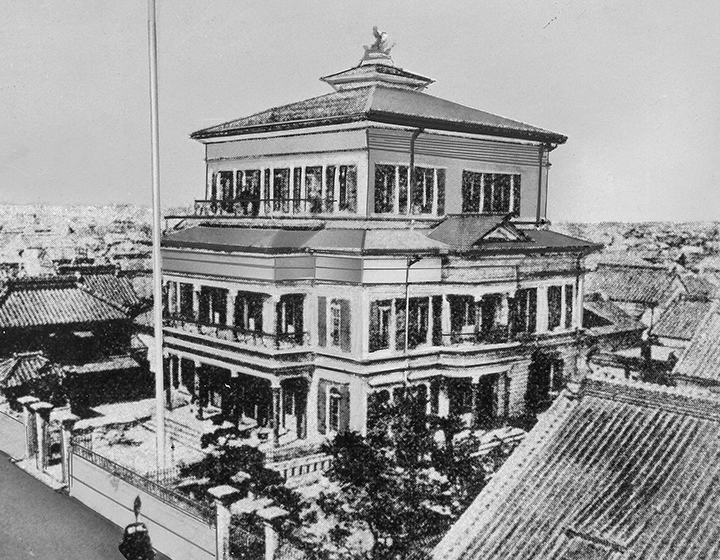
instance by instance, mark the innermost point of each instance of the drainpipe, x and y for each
(541, 153)
(411, 182)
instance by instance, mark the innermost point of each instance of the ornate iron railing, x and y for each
(280, 341)
(204, 512)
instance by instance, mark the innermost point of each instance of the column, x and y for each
(269, 314)
(301, 410)
(542, 309)
(505, 309)
(42, 417)
(474, 405)
(223, 496)
(276, 399)
(196, 301)
(271, 517)
(445, 319)
(67, 423)
(30, 427)
(443, 399)
(230, 310)
(430, 323)
(578, 301)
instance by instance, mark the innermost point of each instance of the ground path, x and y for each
(39, 523)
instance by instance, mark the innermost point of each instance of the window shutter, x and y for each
(344, 391)
(345, 339)
(516, 195)
(400, 324)
(322, 321)
(532, 310)
(437, 320)
(440, 192)
(374, 334)
(321, 404)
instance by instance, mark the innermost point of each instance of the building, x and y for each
(613, 471)
(376, 236)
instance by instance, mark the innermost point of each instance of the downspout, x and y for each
(411, 182)
(541, 153)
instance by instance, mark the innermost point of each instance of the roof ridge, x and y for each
(694, 401)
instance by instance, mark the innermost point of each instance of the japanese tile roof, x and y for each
(681, 319)
(380, 103)
(367, 240)
(21, 369)
(116, 290)
(618, 471)
(619, 321)
(631, 284)
(698, 287)
(32, 302)
(701, 358)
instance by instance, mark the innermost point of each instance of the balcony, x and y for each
(253, 207)
(280, 341)
(495, 335)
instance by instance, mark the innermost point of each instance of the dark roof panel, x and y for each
(380, 103)
(681, 319)
(701, 359)
(619, 470)
(631, 284)
(24, 368)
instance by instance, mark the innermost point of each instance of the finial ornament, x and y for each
(380, 48)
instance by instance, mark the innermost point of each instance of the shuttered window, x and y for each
(322, 321)
(554, 296)
(568, 306)
(333, 407)
(339, 324)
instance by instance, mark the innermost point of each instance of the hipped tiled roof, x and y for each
(701, 358)
(618, 320)
(681, 319)
(53, 301)
(366, 240)
(631, 284)
(380, 103)
(697, 287)
(617, 471)
(21, 369)
(117, 290)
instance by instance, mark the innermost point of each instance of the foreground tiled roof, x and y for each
(364, 240)
(52, 301)
(631, 284)
(698, 287)
(619, 471)
(701, 359)
(116, 290)
(380, 103)
(681, 319)
(24, 368)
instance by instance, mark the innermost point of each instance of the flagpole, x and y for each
(157, 260)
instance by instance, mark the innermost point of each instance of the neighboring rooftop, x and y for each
(681, 319)
(615, 471)
(631, 284)
(602, 318)
(701, 359)
(24, 368)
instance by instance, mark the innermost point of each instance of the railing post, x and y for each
(271, 517)
(67, 423)
(223, 496)
(30, 429)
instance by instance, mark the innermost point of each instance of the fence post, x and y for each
(30, 430)
(42, 417)
(271, 516)
(67, 422)
(223, 497)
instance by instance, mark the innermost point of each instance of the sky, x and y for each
(634, 84)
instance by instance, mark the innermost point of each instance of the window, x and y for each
(380, 325)
(554, 297)
(463, 318)
(334, 398)
(525, 311)
(384, 189)
(329, 188)
(348, 188)
(419, 310)
(213, 305)
(290, 316)
(334, 323)
(281, 190)
(248, 312)
(424, 195)
(335, 316)
(186, 301)
(313, 189)
(490, 193)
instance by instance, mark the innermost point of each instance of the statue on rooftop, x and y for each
(380, 46)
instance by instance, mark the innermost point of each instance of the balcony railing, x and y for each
(252, 207)
(280, 341)
(496, 335)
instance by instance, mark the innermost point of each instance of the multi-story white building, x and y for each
(373, 237)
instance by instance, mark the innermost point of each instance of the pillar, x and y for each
(446, 320)
(276, 399)
(42, 418)
(443, 399)
(230, 311)
(269, 314)
(196, 301)
(429, 336)
(30, 428)
(542, 309)
(198, 390)
(67, 423)
(271, 517)
(301, 410)
(223, 496)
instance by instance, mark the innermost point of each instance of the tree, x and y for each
(409, 478)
